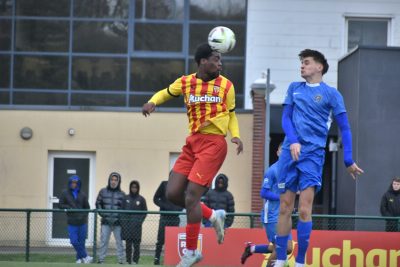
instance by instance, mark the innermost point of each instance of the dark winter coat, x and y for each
(221, 198)
(160, 199)
(69, 201)
(390, 203)
(132, 223)
(110, 199)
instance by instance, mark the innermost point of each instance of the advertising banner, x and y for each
(327, 248)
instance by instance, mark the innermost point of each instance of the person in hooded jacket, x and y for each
(220, 198)
(390, 205)
(131, 223)
(161, 200)
(74, 198)
(110, 198)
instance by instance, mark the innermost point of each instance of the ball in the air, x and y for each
(222, 39)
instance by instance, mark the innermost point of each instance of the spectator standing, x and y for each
(74, 198)
(161, 201)
(220, 198)
(110, 198)
(131, 223)
(390, 205)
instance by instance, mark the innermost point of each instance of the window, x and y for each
(364, 31)
(109, 53)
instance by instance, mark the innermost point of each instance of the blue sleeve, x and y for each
(268, 194)
(289, 95)
(287, 124)
(337, 102)
(345, 130)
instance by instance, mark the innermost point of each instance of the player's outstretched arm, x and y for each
(345, 130)
(148, 108)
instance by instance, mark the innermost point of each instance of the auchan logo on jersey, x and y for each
(204, 99)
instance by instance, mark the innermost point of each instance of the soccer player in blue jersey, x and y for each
(306, 114)
(269, 216)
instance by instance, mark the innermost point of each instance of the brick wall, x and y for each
(258, 96)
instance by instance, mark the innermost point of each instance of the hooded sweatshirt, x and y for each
(74, 199)
(390, 203)
(110, 199)
(132, 222)
(221, 198)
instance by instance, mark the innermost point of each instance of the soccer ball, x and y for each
(221, 39)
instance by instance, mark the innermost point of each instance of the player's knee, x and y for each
(304, 213)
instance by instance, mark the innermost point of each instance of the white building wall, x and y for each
(277, 30)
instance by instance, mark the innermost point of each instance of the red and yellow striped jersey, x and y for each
(210, 105)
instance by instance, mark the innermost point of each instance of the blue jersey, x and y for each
(313, 105)
(270, 212)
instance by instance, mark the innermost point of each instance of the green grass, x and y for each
(59, 260)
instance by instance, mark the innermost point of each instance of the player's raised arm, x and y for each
(345, 130)
(162, 96)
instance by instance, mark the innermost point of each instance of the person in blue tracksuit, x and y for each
(74, 198)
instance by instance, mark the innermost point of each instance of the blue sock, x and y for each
(303, 237)
(281, 247)
(261, 249)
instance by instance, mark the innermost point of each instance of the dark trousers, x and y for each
(392, 226)
(136, 250)
(165, 220)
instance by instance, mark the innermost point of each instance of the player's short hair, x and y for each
(317, 56)
(396, 179)
(202, 51)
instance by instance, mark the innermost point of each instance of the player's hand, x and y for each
(148, 108)
(295, 151)
(239, 144)
(354, 170)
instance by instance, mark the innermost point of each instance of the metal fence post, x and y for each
(94, 235)
(251, 221)
(28, 234)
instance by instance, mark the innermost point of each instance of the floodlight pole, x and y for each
(268, 90)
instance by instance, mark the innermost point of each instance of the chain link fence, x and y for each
(41, 235)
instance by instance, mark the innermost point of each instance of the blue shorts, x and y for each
(270, 229)
(299, 175)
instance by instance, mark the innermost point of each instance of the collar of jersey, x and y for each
(313, 84)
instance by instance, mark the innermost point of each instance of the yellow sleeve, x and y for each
(174, 90)
(233, 125)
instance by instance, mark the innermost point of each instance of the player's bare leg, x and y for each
(284, 225)
(304, 226)
(176, 188)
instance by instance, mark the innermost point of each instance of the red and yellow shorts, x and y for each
(201, 157)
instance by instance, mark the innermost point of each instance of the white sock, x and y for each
(279, 263)
(299, 264)
(190, 252)
(252, 248)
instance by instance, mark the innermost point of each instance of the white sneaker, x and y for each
(87, 260)
(218, 223)
(190, 258)
(79, 261)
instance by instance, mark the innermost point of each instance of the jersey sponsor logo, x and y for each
(317, 98)
(204, 99)
(216, 89)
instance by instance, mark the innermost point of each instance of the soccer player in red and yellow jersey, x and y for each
(210, 103)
